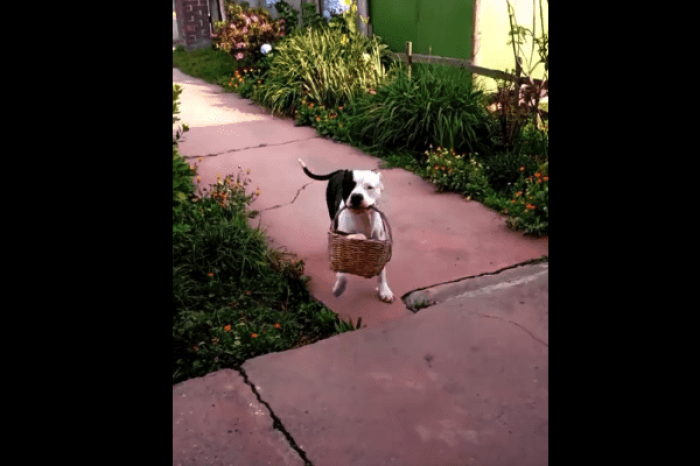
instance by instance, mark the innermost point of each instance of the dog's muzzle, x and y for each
(356, 202)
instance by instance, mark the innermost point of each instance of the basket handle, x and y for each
(387, 227)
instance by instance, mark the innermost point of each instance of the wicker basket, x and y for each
(363, 257)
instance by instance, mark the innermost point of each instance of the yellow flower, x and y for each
(248, 171)
(199, 159)
(199, 178)
(257, 192)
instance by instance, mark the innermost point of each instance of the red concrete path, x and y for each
(441, 383)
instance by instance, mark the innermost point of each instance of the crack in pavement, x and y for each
(517, 325)
(251, 147)
(276, 421)
(289, 203)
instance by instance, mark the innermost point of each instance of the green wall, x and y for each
(446, 25)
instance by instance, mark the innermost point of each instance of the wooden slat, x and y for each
(458, 62)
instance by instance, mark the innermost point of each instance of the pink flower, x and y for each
(239, 56)
(282, 21)
(254, 18)
(240, 45)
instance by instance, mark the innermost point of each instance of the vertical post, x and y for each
(409, 54)
(362, 13)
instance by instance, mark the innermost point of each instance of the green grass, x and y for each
(207, 64)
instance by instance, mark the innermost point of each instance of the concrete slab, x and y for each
(218, 421)
(459, 383)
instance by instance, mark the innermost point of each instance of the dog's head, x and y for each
(362, 188)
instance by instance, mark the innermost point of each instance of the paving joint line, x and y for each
(410, 307)
(250, 147)
(276, 421)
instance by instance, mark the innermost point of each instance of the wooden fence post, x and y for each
(409, 54)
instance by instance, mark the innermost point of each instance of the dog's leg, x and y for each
(340, 282)
(385, 293)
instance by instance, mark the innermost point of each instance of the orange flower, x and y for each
(195, 348)
(227, 328)
(530, 206)
(522, 169)
(546, 178)
(254, 335)
(537, 174)
(318, 118)
(277, 326)
(211, 274)
(518, 194)
(311, 104)
(340, 108)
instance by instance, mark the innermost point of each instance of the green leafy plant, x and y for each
(436, 106)
(245, 31)
(347, 20)
(529, 210)
(324, 66)
(310, 17)
(183, 188)
(329, 122)
(452, 172)
(288, 16)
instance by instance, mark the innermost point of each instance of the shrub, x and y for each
(233, 297)
(436, 106)
(452, 172)
(327, 121)
(324, 66)
(288, 16)
(529, 210)
(245, 31)
(183, 187)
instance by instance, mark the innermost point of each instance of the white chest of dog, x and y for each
(358, 190)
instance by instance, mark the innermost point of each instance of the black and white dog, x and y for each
(358, 190)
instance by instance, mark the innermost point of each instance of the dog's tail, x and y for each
(317, 177)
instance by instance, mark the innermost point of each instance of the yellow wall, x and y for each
(491, 42)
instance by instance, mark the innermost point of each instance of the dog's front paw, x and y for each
(385, 294)
(339, 286)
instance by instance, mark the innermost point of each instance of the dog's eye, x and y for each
(370, 188)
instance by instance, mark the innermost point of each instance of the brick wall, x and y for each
(193, 23)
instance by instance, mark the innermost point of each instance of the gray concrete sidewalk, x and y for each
(461, 382)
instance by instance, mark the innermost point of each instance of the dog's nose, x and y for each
(356, 200)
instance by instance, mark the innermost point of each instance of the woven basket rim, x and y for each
(381, 215)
